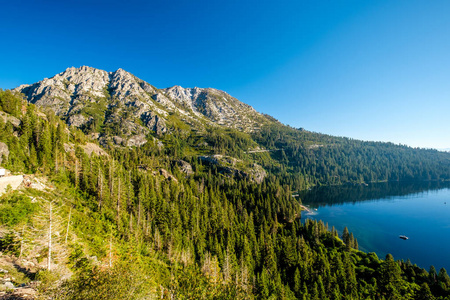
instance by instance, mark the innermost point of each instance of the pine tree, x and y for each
(432, 275)
(443, 280)
(346, 238)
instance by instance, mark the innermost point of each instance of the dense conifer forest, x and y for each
(130, 224)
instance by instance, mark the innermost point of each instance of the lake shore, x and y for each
(305, 208)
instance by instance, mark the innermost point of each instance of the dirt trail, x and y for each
(14, 181)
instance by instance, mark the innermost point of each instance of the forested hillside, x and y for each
(311, 158)
(168, 219)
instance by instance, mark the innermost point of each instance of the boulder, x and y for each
(154, 122)
(77, 120)
(8, 118)
(117, 140)
(9, 285)
(136, 140)
(167, 175)
(4, 151)
(185, 167)
(13, 181)
(257, 173)
(90, 148)
(69, 147)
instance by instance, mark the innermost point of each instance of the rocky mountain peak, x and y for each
(92, 99)
(184, 96)
(58, 91)
(217, 106)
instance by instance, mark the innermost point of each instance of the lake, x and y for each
(378, 213)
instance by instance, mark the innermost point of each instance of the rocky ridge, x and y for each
(121, 109)
(233, 167)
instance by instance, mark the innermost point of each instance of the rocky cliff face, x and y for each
(66, 91)
(129, 108)
(217, 106)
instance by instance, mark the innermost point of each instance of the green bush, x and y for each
(10, 244)
(123, 281)
(15, 208)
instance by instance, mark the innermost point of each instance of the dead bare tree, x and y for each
(49, 264)
(68, 223)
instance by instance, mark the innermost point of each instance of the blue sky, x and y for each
(371, 70)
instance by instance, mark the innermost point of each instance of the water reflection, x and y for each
(353, 193)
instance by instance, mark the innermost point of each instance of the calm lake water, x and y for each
(377, 214)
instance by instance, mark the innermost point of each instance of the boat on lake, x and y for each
(403, 237)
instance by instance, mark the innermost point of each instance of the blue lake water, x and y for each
(378, 213)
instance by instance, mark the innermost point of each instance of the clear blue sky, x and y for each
(371, 70)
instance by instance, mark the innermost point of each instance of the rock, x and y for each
(78, 93)
(154, 122)
(69, 147)
(117, 140)
(217, 106)
(24, 292)
(4, 151)
(162, 99)
(94, 135)
(66, 89)
(136, 140)
(41, 115)
(33, 182)
(233, 167)
(218, 159)
(208, 160)
(257, 173)
(9, 285)
(77, 120)
(160, 126)
(91, 148)
(13, 181)
(124, 84)
(29, 263)
(3, 271)
(167, 175)
(11, 119)
(104, 141)
(185, 167)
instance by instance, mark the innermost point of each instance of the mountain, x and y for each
(93, 100)
(118, 109)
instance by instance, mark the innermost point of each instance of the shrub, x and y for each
(15, 208)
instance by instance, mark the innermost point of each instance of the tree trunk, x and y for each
(49, 266)
(118, 203)
(68, 223)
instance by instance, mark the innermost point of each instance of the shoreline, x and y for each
(305, 208)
